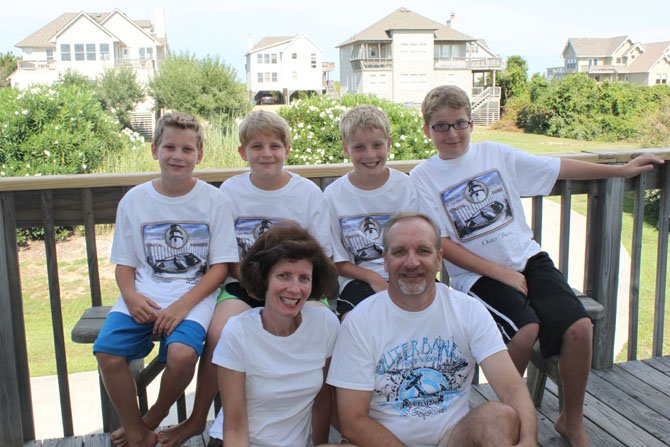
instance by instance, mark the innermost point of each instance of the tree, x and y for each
(203, 87)
(8, 63)
(119, 92)
(513, 79)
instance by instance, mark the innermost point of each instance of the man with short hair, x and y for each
(405, 358)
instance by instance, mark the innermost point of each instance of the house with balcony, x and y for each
(279, 68)
(615, 59)
(404, 55)
(90, 43)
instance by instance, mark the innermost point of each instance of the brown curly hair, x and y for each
(290, 243)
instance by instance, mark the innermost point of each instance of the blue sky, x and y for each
(535, 30)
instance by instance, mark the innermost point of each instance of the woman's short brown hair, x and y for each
(290, 243)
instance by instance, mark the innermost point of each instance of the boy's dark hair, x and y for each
(179, 120)
(291, 243)
(444, 96)
(364, 117)
(263, 122)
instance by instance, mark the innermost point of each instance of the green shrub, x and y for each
(59, 129)
(315, 130)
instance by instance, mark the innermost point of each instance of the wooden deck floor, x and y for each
(627, 405)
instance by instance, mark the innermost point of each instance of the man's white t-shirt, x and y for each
(418, 365)
(476, 198)
(358, 218)
(283, 374)
(171, 242)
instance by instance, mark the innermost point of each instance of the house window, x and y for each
(259, 58)
(274, 58)
(372, 52)
(662, 78)
(593, 61)
(571, 64)
(50, 54)
(294, 55)
(79, 51)
(294, 75)
(260, 77)
(267, 76)
(65, 54)
(90, 51)
(274, 76)
(266, 58)
(104, 51)
(28, 51)
(146, 53)
(618, 60)
(313, 58)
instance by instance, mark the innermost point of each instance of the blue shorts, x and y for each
(121, 335)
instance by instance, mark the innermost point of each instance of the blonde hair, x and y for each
(263, 122)
(444, 96)
(364, 117)
(178, 120)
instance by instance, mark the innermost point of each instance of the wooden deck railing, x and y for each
(89, 200)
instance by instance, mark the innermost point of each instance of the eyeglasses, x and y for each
(444, 127)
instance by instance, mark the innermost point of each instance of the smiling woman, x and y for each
(277, 356)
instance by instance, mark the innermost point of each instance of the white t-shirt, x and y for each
(172, 241)
(418, 365)
(283, 374)
(255, 210)
(358, 218)
(476, 199)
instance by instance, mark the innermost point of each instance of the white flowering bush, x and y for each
(315, 132)
(59, 129)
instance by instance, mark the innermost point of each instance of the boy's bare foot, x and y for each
(118, 437)
(576, 434)
(177, 435)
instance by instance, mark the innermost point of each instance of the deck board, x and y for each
(626, 405)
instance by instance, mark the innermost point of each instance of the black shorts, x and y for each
(234, 290)
(550, 302)
(353, 293)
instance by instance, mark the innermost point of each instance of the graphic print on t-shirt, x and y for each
(421, 377)
(477, 206)
(176, 250)
(362, 236)
(248, 229)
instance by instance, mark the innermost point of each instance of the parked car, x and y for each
(267, 99)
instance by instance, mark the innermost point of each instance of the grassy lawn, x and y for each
(74, 280)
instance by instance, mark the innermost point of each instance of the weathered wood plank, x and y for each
(648, 375)
(564, 243)
(664, 360)
(536, 219)
(635, 411)
(56, 312)
(635, 388)
(661, 265)
(635, 264)
(91, 247)
(659, 365)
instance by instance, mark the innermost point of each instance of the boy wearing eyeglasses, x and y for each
(474, 191)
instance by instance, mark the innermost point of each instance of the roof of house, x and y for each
(404, 19)
(270, 41)
(651, 54)
(595, 47)
(41, 38)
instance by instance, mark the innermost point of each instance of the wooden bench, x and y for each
(86, 331)
(540, 368)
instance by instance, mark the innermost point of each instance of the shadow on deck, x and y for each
(626, 405)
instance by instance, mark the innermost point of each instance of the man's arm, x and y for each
(510, 389)
(467, 260)
(356, 425)
(583, 170)
(142, 309)
(175, 313)
(351, 270)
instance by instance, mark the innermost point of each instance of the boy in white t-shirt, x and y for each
(265, 196)
(361, 202)
(172, 242)
(475, 190)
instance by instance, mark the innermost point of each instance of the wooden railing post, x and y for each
(16, 417)
(602, 263)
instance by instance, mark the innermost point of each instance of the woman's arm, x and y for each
(321, 410)
(234, 400)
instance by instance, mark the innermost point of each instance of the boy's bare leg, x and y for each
(489, 424)
(207, 385)
(120, 387)
(521, 345)
(574, 365)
